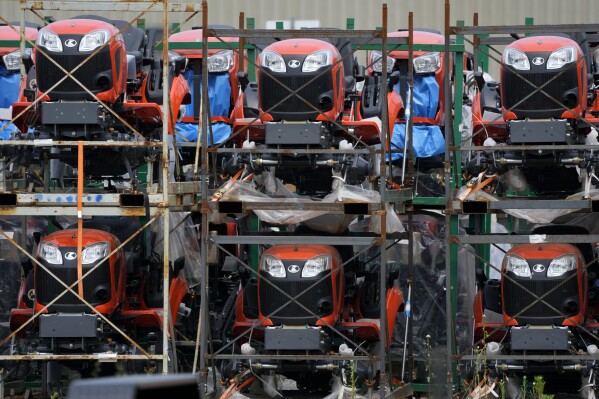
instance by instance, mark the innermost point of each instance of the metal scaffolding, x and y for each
(85, 203)
(478, 244)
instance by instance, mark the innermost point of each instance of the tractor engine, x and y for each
(284, 267)
(103, 288)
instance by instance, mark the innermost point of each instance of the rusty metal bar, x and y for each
(508, 29)
(526, 239)
(383, 338)
(293, 33)
(204, 317)
(49, 143)
(293, 357)
(102, 357)
(448, 218)
(165, 187)
(117, 6)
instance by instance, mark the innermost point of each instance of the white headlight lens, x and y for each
(561, 57)
(427, 63)
(93, 40)
(376, 61)
(220, 62)
(273, 61)
(95, 252)
(273, 266)
(12, 61)
(516, 59)
(317, 60)
(50, 253)
(561, 264)
(517, 265)
(316, 265)
(49, 40)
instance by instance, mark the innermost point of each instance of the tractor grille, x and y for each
(49, 74)
(515, 298)
(515, 90)
(47, 288)
(271, 299)
(294, 108)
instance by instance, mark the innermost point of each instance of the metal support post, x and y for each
(165, 184)
(204, 315)
(383, 237)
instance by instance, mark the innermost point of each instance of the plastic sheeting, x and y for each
(9, 94)
(315, 220)
(219, 94)
(429, 296)
(428, 139)
(189, 132)
(183, 242)
(10, 262)
(542, 216)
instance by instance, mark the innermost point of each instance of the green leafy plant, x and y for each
(538, 388)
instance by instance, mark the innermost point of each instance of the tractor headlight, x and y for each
(427, 63)
(12, 61)
(316, 265)
(93, 40)
(317, 60)
(517, 265)
(273, 266)
(516, 58)
(376, 61)
(50, 253)
(273, 61)
(561, 265)
(221, 61)
(49, 40)
(561, 57)
(93, 253)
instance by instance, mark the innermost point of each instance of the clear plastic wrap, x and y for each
(316, 220)
(428, 297)
(10, 262)
(183, 241)
(532, 215)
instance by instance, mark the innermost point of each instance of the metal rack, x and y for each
(169, 197)
(478, 211)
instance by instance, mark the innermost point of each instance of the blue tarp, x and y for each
(428, 139)
(9, 94)
(220, 130)
(219, 93)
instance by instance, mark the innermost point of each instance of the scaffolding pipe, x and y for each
(383, 238)
(448, 217)
(204, 315)
(165, 184)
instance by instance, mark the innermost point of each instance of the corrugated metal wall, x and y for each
(367, 13)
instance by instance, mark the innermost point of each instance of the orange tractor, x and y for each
(546, 95)
(107, 95)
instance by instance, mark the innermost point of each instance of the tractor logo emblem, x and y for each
(70, 42)
(70, 256)
(293, 64)
(538, 60)
(293, 269)
(538, 268)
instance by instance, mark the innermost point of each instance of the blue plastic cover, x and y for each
(189, 131)
(428, 139)
(9, 94)
(219, 93)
